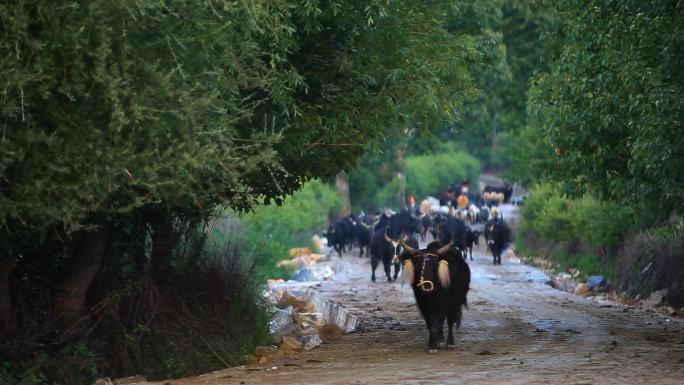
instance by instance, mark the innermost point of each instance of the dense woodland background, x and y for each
(158, 158)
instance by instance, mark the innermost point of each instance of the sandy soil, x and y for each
(518, 330)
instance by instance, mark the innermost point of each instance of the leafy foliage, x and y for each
(611, 102)
(376, 184)
(269, 232)
(553, 215)
(109, 106)
(432, 174)
(479, 123)
(187, 105)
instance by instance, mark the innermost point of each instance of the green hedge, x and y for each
(378, 186)
(554, 216)
(269, 232)
(584, 233)
(429, 174)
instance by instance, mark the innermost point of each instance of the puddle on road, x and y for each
(545, 325)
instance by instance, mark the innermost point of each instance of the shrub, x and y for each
(534, 204)
(588, 220)
(430, 174)
(269, 232)
(600, 223)
(212, 315)
(558, 220)
(650, 261)
(376, 184)
(583, 233)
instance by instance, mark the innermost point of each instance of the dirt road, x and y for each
(518, 330)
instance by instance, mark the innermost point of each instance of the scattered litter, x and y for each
(597, 283)
(583, 289)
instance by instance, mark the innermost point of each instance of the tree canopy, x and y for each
(114, 105)
(611, 102)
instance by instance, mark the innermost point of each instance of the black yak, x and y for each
(440, 280)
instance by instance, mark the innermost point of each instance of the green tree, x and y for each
(611, 103)
(480, 121)
(154, 113)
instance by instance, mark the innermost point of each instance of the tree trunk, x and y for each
(138, 239)
(6, 267)
(83, 265)
(163, 243)
(342, 187)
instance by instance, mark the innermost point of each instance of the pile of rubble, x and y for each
(570, 282)
(296, 326)
(307, 266)
(597, 287)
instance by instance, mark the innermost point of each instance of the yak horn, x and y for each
(444, 249)
(409, 250)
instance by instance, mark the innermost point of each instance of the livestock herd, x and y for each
(439, 274)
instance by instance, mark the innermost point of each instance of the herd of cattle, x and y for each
(439, 273)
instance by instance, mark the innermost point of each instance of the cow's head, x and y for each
(396, 246)
(491, 227)
(494, 228)
(423, 268)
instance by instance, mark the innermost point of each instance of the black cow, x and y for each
(364, 233)
(451, 230)
(497, 234)
(440, 280)
(385, 243)
(426, 224)
(340, 235)
(472, 237)
(385, 249)
(382, 219)
(351, 239)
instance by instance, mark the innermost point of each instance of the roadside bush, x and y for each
(534, 204)
(212, 315)
(582, 233)
(654, 260)
(602, 224)
(558, 220)
(587, 220)
(599, 237)
(268, 232)
(375, 185)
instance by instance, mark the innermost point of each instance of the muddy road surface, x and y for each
(517, 330)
